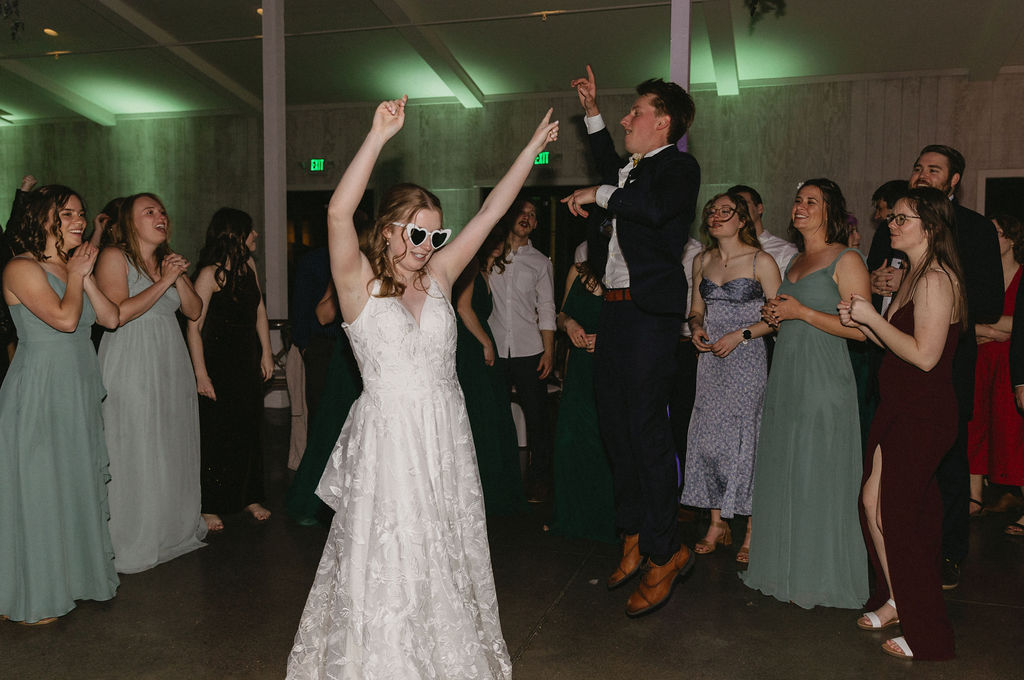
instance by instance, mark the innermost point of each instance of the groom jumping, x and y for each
(636, 240)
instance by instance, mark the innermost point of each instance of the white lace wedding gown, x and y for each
(404, 588)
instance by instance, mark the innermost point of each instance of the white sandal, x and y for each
(875, 623)
(900, 642)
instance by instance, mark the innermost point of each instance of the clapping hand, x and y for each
(173, 266)
(83, 260)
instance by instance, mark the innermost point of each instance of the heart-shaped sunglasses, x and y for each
(417, 234)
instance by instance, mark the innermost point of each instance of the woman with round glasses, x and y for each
(404, 588)
(913, 428)
(808, 547)
(731, 280)
(231, 357)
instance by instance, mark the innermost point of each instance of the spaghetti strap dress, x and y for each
(54, 541)
(915, 426)
(404, 588)
(806, 546)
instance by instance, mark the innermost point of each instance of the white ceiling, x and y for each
(160, 57)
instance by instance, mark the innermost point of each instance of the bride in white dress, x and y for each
(404, 588)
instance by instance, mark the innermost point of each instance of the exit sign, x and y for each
(542, 158)
(316, 164)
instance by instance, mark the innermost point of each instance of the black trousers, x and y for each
(634, 364)
(684, 392)
(521, 373)
(954, 478)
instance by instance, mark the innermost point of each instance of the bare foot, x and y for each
(213, 522)
(258, 511)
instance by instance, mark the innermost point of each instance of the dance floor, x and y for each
(230, 611)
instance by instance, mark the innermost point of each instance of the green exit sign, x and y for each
(316, 164)
(542, 158)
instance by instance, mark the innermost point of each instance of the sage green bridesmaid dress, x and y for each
(806, 546)
(54, 542)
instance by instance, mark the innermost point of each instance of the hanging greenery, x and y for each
(760, 8)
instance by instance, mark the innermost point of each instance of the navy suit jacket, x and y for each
(653, 214)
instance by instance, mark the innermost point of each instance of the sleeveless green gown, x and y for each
(584, 498)
(490, 414)
(807, 546)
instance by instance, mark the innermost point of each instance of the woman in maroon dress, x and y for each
(901, 511)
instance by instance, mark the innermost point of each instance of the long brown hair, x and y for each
(747, 233)
(835, 213)
(128, 237)
(399, 204)
(42, 217)
(937, 219)
(225, 248)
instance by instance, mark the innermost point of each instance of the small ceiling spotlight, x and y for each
(259, 11)
(50, 32)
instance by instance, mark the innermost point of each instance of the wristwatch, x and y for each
(746, 335)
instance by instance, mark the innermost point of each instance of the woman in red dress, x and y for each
(995, 436)
(901, 511)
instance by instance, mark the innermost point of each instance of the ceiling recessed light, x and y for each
(50, 32)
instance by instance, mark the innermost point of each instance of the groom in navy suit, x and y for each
(636, 237)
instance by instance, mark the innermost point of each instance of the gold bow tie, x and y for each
(636, 158)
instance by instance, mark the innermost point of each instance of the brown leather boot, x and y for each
(656, 583)
(630, 563)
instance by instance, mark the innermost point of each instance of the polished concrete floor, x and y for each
(230, 611)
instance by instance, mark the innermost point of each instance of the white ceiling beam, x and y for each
(184, 54)
(433, 51)
(60, 94)
(991, 37)
(718, 18)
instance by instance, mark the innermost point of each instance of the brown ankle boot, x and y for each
(630, 563)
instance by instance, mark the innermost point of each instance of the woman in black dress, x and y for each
(231, 356)
(914, 427)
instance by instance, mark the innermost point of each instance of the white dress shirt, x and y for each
(690, 251)
(781, 250)
(616, 272)
(524, 303)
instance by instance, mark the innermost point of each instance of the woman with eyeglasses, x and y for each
(995, 435)
(487, 400)
(404, 587)
(732, 278)
(914, 427)
(231, 357)
(808, 547)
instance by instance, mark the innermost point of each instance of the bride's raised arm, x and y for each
(449, 262)
(350, 269)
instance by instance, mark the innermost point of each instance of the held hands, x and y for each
(586, 89)
(579, 198)
(780, 309)
(886, 280)
(579, 337)
(389, 117)
(724, 346)
(83, 260)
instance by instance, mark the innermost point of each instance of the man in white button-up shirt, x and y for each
(523, 324)
(781, 250)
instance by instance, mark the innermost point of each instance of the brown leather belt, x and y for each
(617, 295)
